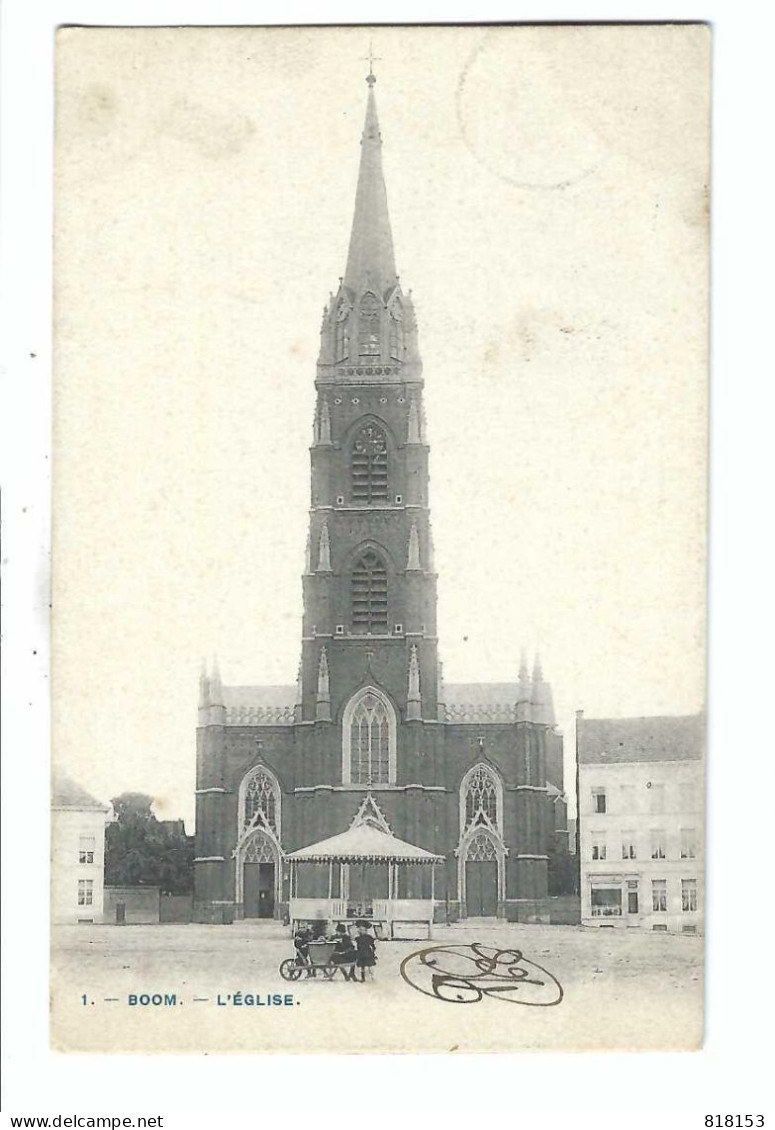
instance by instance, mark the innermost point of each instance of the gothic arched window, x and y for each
(369, 594)
(260, 849)
(369, 465)
(481, 848)
(260, 802)
(480, 799)
(368, 325)
(369, 740)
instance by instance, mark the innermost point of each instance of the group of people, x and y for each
(351, 954)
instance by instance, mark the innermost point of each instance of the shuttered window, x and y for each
(369, 465)
(369, 594)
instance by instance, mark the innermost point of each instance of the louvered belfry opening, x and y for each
(369, 593)
(370, 465)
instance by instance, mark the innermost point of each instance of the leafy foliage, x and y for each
(563, 874)
(143, 851)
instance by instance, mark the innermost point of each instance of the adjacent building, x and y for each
(77, 853)
(371, 783)
(641, 799)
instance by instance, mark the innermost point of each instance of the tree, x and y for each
(141, 851)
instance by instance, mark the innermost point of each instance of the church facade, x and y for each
(471, 773)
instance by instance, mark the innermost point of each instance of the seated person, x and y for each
(344, 952)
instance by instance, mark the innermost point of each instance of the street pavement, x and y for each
(218, 989)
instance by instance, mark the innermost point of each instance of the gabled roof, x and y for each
(610, 741)
(66, 793)
(364, 842)
(481, 694)
(259, 696)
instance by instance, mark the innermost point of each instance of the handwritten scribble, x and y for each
(467, 974)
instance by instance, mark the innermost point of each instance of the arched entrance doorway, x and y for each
(481, 876)
(258, 853)
(482, 852)
(259, 872)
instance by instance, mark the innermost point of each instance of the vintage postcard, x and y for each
(379, 538)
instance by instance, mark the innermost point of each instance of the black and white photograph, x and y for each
(379, 538)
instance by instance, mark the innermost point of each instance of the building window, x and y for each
(632, 896)
(260, 801)
(260, 849)
(481, 848)
(368, 325)
(657, 799)
(481, 798)
(659, 896)
(369, 593)
(370, 740)
(598, 845)
(598, 800)
(369, 465)
(606, 902)
(85, 892)
(688, 894)
(657, 844)
(628, 846)
(86, 847)
(688, 843)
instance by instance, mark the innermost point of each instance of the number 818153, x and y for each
(734, 1120)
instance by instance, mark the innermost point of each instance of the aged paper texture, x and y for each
(473, 286)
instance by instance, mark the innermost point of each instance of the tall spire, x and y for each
(204, 686)
(323, 701)
(324, 550)
(413, 429)
(216, 690)
(324, 435)
(370, 261)
(413, 700)
(413, 555)
(297, 706)
(522, 709)
(542, 700)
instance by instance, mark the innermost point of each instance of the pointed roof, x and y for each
(370, 813)
(364, 841)
(370, 260)
(259, 696)
(606, 741)
(67, 793)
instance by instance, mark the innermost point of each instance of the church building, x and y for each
(371, 787)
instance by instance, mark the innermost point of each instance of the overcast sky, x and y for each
(548, 197)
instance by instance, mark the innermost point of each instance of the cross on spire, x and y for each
(371, 59)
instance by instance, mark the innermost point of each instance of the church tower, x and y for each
(369, 587)
(371, 787)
